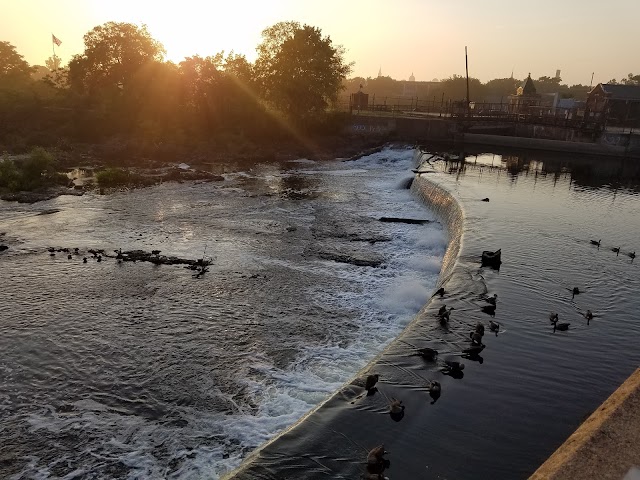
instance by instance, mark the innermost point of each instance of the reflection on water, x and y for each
(536, 385)
(589, 172)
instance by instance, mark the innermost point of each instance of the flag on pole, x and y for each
(55, 40)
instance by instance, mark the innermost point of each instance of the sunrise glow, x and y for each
(426, 38)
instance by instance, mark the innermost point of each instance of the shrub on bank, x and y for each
(32, 173)
(113, 177)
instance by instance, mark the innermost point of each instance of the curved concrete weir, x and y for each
(332, 440)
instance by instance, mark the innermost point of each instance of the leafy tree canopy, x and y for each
(631, 80)
(299, 70)
(53, 62)
(12, 65)
(113, 53)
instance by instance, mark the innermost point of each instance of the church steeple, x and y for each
(380, 71)
(528, 88)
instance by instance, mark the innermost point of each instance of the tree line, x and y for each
(121, 86)
(454, 88)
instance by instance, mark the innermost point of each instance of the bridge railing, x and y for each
(486, 112)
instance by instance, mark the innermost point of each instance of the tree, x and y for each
(501, 87)
(12, 65)
(299, 70)
(549, 85)
(40, 72)
(631, 80)
(238, 67)
(53, 63)
(272, 40)
(113, 54)
(383, 87)
(455, 88)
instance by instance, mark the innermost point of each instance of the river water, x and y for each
(132, 370)
(137, 371)
(531, 387)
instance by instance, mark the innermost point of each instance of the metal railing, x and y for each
(485, 112)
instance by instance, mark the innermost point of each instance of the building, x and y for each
(526, 97)
(359, 100)
(410, 88)
(619, 104)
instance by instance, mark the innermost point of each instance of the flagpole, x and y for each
(53, 46)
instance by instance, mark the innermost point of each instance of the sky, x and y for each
(400, 37)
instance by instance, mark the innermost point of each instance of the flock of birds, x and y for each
(376, 462)
(615, 250)
(96, 255)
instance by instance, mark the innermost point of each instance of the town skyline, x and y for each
(423, 38)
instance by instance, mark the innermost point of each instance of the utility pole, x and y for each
(466, 65)
(591, 80)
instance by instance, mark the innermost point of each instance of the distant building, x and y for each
(410, 88)
(526, 96)
(359, 100)
(619, 103)
(421, 89)
(528, 100)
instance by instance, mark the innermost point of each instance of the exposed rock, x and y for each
(412, 221)
(49, 211)
(364, 153)
(354, 259)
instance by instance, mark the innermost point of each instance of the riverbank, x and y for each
(138, 165)
(606, 443)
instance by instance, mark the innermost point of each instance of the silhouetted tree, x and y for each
(53, 62)
(578, 92)
(501, 87)
(631, 80)
(12, 66)
(40, 72)
(383, 87)
(548, 84)
(113, 53)
(455, 88)
(299, 70)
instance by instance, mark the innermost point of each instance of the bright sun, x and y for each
(191, 27)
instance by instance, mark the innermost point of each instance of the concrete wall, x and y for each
(560, 139)
(607, 444)
(405, 128)
(545, 144)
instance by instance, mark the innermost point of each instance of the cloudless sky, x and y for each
(423, 37)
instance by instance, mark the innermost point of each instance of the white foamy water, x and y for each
(137, 371)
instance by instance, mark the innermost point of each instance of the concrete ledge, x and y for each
(545, 144)
(606, 445)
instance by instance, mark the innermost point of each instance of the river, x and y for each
(132, 370)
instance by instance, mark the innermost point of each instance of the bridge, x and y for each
(549, 128)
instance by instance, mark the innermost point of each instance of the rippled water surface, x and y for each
(535, 386)
(141, 371)
(528, 390)
(133, 370)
